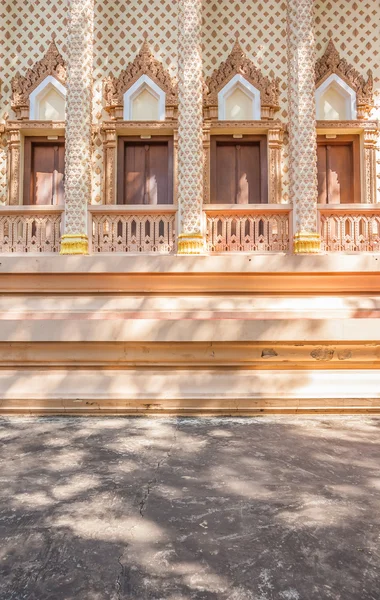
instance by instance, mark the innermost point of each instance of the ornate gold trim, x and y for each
(52, 63)
(306, 242)
(331, 63)
(144, 64)
(74, 244)
(192, 243)
(237, 63)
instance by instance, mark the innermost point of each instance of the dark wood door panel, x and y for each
(145, 171)
(44, 164)
(339, 170)
(239, 170)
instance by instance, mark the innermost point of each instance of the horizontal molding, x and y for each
(272, 406)
(185, 392)
(233, 355)
(189, 283)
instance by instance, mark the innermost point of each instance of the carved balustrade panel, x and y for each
(247, 231)
(27, 231)
(350, 230)
(135, 233)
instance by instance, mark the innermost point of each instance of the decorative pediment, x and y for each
(144, 64)
(52, 63)
(237, 63)
(331, 63)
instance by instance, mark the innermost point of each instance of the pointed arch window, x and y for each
(47, 102)
(239, 100)
(335, 100)
(144, 101)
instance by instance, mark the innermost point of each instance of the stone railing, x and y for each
(30, 229)
(134, 229)
(350, 227)
(257, 228)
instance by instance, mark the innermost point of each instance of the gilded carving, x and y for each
(52, 63)
(237, 63)
(331, 63)
(144, 64)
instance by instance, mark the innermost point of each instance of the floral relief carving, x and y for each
(144, 64)
(331, 63)
(238, 63)
(52, 63)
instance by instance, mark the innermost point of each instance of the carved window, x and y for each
(239, 171)
(342, 93)
(144, 91)
(40, 93)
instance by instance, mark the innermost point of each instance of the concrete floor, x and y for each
(179, 509)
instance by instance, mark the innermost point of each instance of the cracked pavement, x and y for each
(274, 508)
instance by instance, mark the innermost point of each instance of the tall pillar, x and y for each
(190, 130)
(302, 125)
(78, 126)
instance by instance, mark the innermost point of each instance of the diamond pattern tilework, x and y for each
(261, 25)
(354, 26)
(119, 30)
(120, 26)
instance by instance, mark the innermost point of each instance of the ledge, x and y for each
(237, 264)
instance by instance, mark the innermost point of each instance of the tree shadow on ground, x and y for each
(180, 509)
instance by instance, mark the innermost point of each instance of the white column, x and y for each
(190, 129)
(78, 126)
(302, 125)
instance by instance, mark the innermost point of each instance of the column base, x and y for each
(191, 243)
(74, 244)
(306, 242)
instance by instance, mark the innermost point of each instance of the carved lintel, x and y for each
(144, 64)
(109, 141)
(358, 124)
(237, 63)
(275, 143)
(331, 63)
(14, 154)
(52, 63)
(370, 145)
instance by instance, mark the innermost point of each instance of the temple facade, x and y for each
(189, 206)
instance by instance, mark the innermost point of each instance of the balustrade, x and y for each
(260, 228)
(350, 228)
(152, 229)
(133, 229)
(30, 229)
